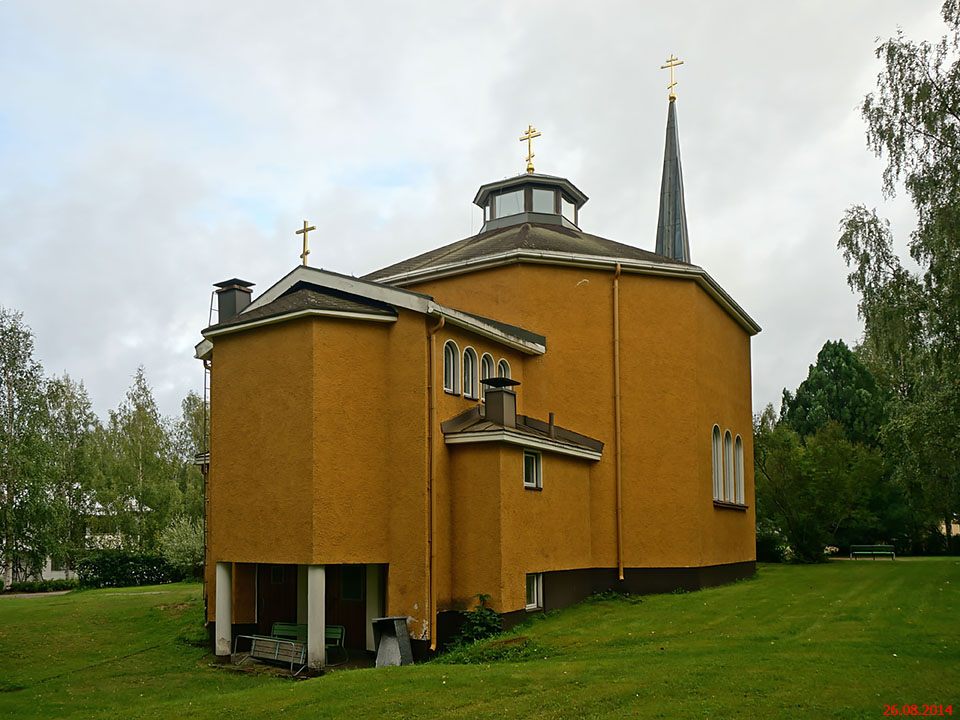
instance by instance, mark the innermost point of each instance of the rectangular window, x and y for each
(543, 201)
(534, 591)
(532, 469)
(510, 203)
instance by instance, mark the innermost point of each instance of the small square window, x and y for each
(532, 469)
(534, 591)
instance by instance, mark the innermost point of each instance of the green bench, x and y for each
(872, 550)
(287, 643)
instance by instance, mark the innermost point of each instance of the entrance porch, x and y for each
(254, 596)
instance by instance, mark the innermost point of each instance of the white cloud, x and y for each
(150, 150)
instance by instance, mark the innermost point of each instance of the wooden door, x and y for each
(347, 602)
(276, 595)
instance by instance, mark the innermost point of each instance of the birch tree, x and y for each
(25, 503)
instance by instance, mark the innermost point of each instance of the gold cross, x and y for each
(529, 136)
(672, 62)
(303, 255)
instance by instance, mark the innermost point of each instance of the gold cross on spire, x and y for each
(304, 231)
(672, 62)
(529, 136)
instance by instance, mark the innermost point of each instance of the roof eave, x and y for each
(203, 350)
(215, 331)
(512, 437)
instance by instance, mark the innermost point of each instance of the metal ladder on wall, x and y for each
(206, 446)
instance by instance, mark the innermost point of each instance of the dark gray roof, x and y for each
(474, 421)
(529, 236)
(510, 329)
(307, 297)
(672, 238)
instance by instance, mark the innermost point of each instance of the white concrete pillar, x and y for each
(374, 602)
(224, 610)
(302, 594)
(316, 616)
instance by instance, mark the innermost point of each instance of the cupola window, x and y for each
(530, 198)
(544, 201)
(510, 203)
(568, 210)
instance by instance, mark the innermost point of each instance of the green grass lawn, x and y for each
(840, 640)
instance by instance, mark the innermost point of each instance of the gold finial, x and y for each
(672, 62)
(304, 231)
(529, 136)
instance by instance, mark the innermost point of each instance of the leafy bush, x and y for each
(121, 568)
(770, 546)
(181, 545)
(480, 623)
(38, 586)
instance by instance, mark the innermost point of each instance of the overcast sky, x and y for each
(148, 150)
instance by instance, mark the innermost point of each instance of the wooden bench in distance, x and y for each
(279, 650)
(872, 550)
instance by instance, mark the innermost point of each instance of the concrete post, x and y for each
(224, 611)
(316, 616)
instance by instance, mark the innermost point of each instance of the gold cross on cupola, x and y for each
(529, 136)
(672, 62)
(304, 231)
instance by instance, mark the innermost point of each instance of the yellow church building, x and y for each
(534, 413)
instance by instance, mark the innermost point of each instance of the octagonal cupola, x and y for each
(530, 198)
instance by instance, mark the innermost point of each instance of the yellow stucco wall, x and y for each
(542, 530)
(319, 440)
(318, 447)
(684, 364)
(500, 530)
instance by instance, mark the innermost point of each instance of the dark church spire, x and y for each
(672, 240)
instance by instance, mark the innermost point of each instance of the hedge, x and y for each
(39, 586)
(121, 568)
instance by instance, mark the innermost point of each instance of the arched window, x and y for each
(717, 465)
(451, 367)
(470, 378)
(738, 469)
(728, 492)
(503, 368)
(487, 370)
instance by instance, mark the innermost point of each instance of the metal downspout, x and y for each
(431, 420)
(616, 410)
